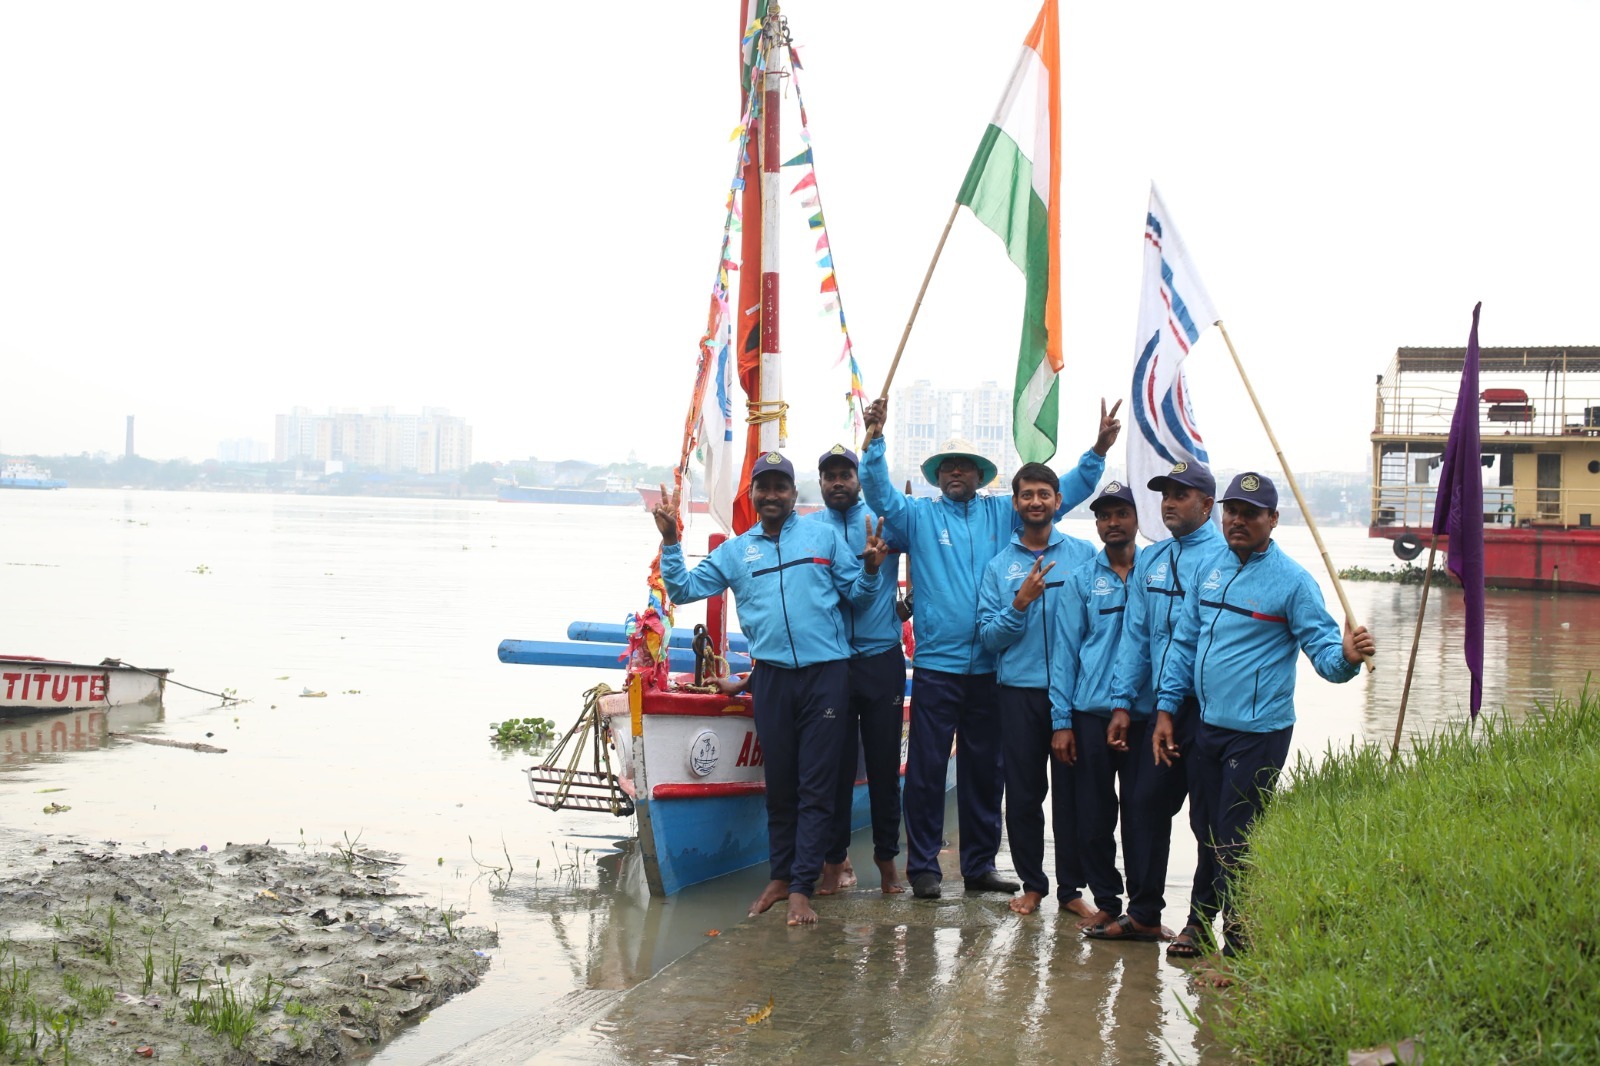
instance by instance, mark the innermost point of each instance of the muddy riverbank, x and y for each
(246, 954)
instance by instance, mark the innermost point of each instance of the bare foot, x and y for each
(1081, 908)
(1214, 971)
(1026, 903)
(836, 876)
(1092, 920)
(774, 891)
(800, 912)
(891, 876)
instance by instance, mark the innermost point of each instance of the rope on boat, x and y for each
(224, 697)
(591, 728)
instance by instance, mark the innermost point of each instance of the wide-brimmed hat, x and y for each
(958, 448)
(1194, 475)
(1253, 488)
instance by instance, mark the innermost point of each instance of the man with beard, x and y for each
(1161, 575)
(1016, 621)
(951, 539)
(788, 578)
(1243, 624)
(876, 711)
(1108, 744)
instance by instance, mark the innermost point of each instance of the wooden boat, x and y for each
(1539, 421)
(32, 685)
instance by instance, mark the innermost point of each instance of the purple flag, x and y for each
(1458, 511)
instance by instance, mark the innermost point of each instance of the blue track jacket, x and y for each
(1089, 633)
(1241, 626)
(1160, 575)
(874, 629)
(787, 587)
(950, 544)
(1023, 642)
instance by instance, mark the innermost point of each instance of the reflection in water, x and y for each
(1537, 646)
(31, 737)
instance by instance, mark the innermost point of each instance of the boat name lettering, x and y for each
(60, 686)
(750, 753)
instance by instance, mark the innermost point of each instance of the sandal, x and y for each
(1122, 928)
(1186, 945)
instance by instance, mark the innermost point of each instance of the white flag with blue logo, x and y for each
(1173, 311)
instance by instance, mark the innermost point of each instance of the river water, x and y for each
(394, 608)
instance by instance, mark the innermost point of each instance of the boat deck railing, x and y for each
(1425, 405)
(1411, 506)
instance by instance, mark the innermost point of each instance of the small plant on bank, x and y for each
(521, 732)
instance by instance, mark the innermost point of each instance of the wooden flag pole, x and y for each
(1316, 535)
(1416, 637)
(905, 334)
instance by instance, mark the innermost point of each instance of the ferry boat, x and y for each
(1539, 420)
(17, 474)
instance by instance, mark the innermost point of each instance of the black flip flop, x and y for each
(1120, 929)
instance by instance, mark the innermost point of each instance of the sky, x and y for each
(210, 213)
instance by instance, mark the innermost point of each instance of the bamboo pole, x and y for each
(1416, 637)
(905, 334)
(1316, 535)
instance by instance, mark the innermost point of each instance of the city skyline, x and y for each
(196, 239)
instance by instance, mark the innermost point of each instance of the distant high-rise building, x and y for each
(242, 450)
(127, 451)
(379, 439)
(923, 417)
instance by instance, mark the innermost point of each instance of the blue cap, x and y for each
(1253, 488)
(1194, 475)
(772, 463)
(1114, 490)
(838, 451)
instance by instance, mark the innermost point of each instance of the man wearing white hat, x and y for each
(953, 689)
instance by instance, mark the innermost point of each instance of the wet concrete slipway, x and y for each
(394, 609)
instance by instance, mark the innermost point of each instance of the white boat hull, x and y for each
(48, 685)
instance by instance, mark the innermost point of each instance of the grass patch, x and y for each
(1453, 896)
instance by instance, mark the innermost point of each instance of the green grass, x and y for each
(1453, 896)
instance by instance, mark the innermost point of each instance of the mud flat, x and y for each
(246, 954)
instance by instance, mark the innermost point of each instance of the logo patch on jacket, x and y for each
(944, 538)
(1102, 587)
(1016, 570)
(752, 554)
(1213, 580)
(1158, 576)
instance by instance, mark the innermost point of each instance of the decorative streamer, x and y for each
(832, 303)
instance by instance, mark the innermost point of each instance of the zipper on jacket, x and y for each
(1211, 636)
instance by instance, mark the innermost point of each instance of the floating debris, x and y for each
(308, 694)
(761, 1015)
(56, 808)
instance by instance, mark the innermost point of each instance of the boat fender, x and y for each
(1407, 546)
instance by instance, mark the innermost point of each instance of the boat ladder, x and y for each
(559, 785)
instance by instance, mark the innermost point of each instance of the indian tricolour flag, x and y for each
(1012, 186)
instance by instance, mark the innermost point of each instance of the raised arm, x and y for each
(880, 493)
(857, 580)
(685, 585)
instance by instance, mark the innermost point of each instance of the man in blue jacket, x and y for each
(1161, 574)
(876, 715)
(1243, 623)
(1016, 622)
(1104, 744)
(951, 539)
(788, 577)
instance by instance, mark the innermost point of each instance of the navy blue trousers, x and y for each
(962, 706)
(873, 727)
(1235, 775)
(1102, 774)
(1167, 789)
(1030, 772)
(800, 719)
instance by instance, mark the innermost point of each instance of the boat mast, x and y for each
(775, 41)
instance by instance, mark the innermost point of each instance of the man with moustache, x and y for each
(1105, 745)
(1016, 619)
(788, 578)
(1161, 575)
(951, 539)
(1242, 625)
(876, 708)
